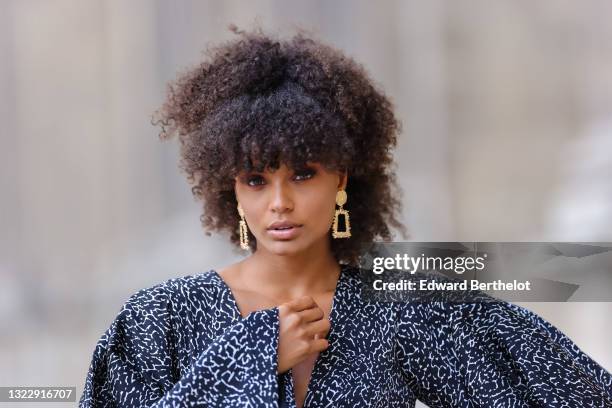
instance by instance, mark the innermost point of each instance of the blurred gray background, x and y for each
(507, 136)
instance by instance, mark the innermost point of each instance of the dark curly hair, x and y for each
(257, 102)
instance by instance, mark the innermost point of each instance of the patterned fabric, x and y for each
(183, 343)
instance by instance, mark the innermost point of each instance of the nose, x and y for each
(282, 198)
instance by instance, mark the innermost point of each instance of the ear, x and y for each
(343, 180)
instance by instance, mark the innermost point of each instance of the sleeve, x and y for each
(494, 354)
(134, 363)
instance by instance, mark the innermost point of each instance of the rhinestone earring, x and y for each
(341, 200)
(244, 235)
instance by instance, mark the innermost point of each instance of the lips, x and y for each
(284, 230)
(282, 225)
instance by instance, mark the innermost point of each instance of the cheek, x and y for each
(254, 208)
(320, 211)
(257, 212)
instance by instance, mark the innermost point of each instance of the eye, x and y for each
(254, 180)
(304, 174)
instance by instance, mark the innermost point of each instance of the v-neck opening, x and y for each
(316, 366)
(236, 308)
(332, 319)
(229, 293)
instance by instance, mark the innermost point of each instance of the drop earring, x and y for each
(341, 200)
(244, 232)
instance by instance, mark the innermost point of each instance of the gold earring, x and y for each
(244, 235)
(341, 200)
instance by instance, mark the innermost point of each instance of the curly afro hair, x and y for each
(257, 102)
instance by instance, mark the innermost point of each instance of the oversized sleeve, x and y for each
(135, 363)
(494, 354)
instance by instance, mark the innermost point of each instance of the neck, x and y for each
(290, 276)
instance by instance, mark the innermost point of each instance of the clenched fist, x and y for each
(303, 328)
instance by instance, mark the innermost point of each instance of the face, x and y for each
(306, 199)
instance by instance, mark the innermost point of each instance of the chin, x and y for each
(284, 248)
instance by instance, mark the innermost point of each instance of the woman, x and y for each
(274, 135)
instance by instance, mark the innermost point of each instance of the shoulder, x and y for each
(167, 295)
(452, 310)
(353, 296)
(485, 321)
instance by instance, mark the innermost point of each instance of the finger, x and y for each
(302, 303)
(318, 346)
(312, 314)
(319, 327)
